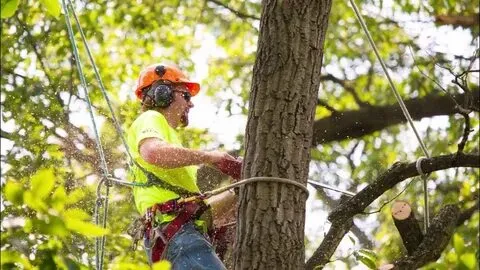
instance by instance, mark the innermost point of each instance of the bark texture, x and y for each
(285, 83)
(366, 120)
(408, 227)
(341, 218)
(434, 242)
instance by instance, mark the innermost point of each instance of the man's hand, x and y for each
(215, 157)
(230, 167)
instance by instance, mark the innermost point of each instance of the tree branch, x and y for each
(458, 20)
(326, 106)
(234, 11)
(346, 85)
(357, 123)
(331, 203)
(6, 135)
(342, 216)
(434, 242)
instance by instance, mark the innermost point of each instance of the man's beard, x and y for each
(184, 119)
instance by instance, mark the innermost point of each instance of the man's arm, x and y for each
(164, 155)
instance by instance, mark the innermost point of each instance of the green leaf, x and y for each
(315, 154)
(51, 225)
(14, 192)
(28, 225)
(458, 243)
(366, 260)
(8, 8)
(469, 260)
(59, 198)
(85, 228)
(34, 202)
(369, 253)
(76, 213)
(162, 265)
(52, 6)
(8, 256)
(42, 183)
(436, 266)
(75, 196)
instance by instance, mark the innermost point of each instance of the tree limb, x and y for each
(6, 135)
(458, 20)
(357, 123)
(342, 216)
(434, 242)
(234, 11)
(346, 85)
(332, 203)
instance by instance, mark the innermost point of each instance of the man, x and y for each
(166, 93)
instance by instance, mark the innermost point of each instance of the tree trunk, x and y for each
(286, 78)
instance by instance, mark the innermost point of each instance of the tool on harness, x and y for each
(159, 235)
(137, 231)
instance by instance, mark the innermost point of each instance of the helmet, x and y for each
(167, 73)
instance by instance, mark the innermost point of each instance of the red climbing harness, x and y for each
(159, 236)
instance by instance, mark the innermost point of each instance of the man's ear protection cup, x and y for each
(161, 93)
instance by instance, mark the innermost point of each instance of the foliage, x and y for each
(50, 172)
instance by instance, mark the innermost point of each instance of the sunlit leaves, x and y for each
(42, 183)
(458, 243)
(52, 7)
(8, 8)
(469, 260)
(40, 92)
(13, 192)
(9, 259)
(367, 257)
(84, 228)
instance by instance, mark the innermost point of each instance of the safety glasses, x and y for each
(186, 95)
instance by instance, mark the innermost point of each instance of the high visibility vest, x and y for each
(152, 124)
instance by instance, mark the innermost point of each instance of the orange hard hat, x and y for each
(167, 73)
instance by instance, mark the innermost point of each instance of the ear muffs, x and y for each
(161, 93)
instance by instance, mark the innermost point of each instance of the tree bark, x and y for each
(434, 242)
(342, 217)
(407, 225)
(468, 21)
(285, 83)
(357, 123)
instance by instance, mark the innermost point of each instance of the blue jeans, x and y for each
(189, 249)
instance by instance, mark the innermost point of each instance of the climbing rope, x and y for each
(323, 186)
(102, 87)
(107, 179)
(426, 222)
(99, 242)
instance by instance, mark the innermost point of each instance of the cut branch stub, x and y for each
(408, 227)
(434, 241)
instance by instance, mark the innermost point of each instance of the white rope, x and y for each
(320, 185)
(402, 106)
(257, 179)
(99, 241)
